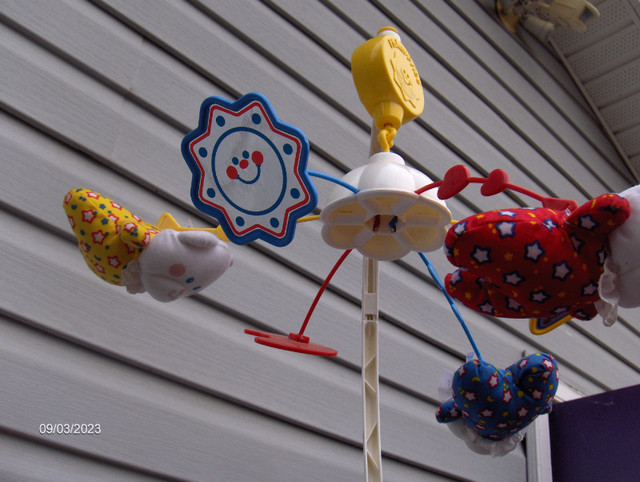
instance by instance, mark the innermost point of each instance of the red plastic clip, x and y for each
(458, 177)
(293, 342)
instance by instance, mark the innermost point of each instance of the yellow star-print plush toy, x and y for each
(123, 250)
(109, 235)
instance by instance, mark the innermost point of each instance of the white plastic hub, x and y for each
(386, 220)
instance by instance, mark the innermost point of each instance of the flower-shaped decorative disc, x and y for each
(386, 219)
(249, 170)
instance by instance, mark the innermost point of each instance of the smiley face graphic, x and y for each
(256, 157)
(249, 170)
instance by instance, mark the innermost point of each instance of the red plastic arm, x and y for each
(459, 177)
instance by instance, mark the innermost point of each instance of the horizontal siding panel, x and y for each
(55, 463)
(109, 49)
(191, 36)
(631, 319)
(285, 384)
(623, 345)
(57, 459)
(150, 424)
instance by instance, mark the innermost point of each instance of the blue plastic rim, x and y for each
(246, 135)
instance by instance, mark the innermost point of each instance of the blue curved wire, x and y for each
(333, 179)
(454, 308)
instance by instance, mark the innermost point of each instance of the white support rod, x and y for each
(371, 445)
(370, 377)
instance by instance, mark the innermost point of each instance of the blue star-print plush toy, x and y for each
(496, 404)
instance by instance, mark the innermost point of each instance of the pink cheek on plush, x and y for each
(177, 270)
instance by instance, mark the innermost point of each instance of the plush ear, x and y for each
(136, 234)
(601, 215)
(198, 239)
(537, 377)
(447, 412)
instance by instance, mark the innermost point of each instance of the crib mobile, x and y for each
(548, 264)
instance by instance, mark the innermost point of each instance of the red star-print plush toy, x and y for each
(543, 263)
(531, 263)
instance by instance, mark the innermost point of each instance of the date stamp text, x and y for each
(70, 428)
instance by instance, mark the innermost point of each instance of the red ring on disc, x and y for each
(293, 342)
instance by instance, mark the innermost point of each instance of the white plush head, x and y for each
(624, 243)
(620, 280)
(178, 264)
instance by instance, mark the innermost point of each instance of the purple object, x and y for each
(597, 437)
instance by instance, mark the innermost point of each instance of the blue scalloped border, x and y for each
(202, 128)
